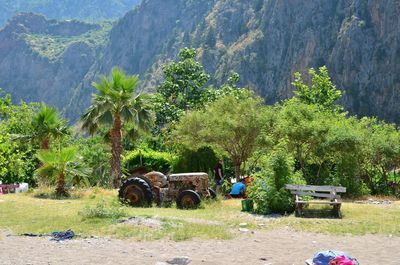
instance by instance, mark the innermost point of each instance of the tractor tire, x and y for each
(212, 193)
(188, 199)
(136, 192)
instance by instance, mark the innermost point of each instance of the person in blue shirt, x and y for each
(239, 189)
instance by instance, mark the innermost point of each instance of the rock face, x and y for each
(67, 9)
(30, 76)
(265, 41)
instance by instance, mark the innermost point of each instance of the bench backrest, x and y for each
(330, 192)
(335, 189)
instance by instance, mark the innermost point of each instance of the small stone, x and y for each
(263, 259)
(243, 224)
(261, 225)
(244, 230)
(314, 242)
(179, 261)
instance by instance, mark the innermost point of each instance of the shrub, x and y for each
(150, 160)
(102, 210)
(202, 160)
(96, 156)
(268, 189)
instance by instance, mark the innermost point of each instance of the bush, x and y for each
(102, 210)
(96, 156)
(268, 189)
(202, 160)
(150, 160)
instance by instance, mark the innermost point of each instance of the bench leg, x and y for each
(299, 210)
(336, 209)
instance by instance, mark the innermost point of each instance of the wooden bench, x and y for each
(326, 195)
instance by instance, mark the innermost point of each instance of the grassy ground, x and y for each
(97, 213)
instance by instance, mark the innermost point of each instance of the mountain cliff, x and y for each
(41, 60)
(265, 41)
(94, 10)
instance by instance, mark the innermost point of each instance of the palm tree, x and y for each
(47, 125)
(60, 164)
(115, 105)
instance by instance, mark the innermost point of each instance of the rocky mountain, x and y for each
(94, 10)
(42, 60)
(265, 41)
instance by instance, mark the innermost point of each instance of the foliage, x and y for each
(150, 160)
(53, 46)
(17, 162)
(116, 105)
(332, 149)
(17, 156)
(182, 88)
(202, 160)
(268, 189)
(322, 91)
(102, 210)
(96, 156)
(61, 167)
(231, 125)
(48, 125)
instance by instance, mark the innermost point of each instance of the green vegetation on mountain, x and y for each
(52, 46)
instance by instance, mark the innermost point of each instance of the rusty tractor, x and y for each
(187, 189)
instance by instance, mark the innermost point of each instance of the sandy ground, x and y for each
(281, 246)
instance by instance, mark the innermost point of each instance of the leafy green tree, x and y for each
(379, 155)
(61, 165)
(231, 125)
(182, 89)
(113, 106)
(96, 155)
(47, 125)
(17, 157)
(268, 189)
(322, 91)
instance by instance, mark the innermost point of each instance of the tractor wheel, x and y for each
(135, 192)
(212, 193)
(188, 199)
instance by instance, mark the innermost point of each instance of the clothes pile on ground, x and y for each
(55, 236)
(332, 257)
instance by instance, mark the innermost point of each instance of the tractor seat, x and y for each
(155, 176)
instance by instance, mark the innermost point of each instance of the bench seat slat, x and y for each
(315, 194)
(318, 202)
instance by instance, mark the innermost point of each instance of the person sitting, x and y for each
(239, 189)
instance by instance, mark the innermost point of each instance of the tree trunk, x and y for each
(60, 190)
(45, 144)
(237, 171)
(116, 150)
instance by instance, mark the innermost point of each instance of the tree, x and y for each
(48, 125)
(232, 125)
(113, 106)
(322, 91)
(182, 89)
(59, 165)
(17, 158)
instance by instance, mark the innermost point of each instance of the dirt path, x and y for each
(275, 247)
